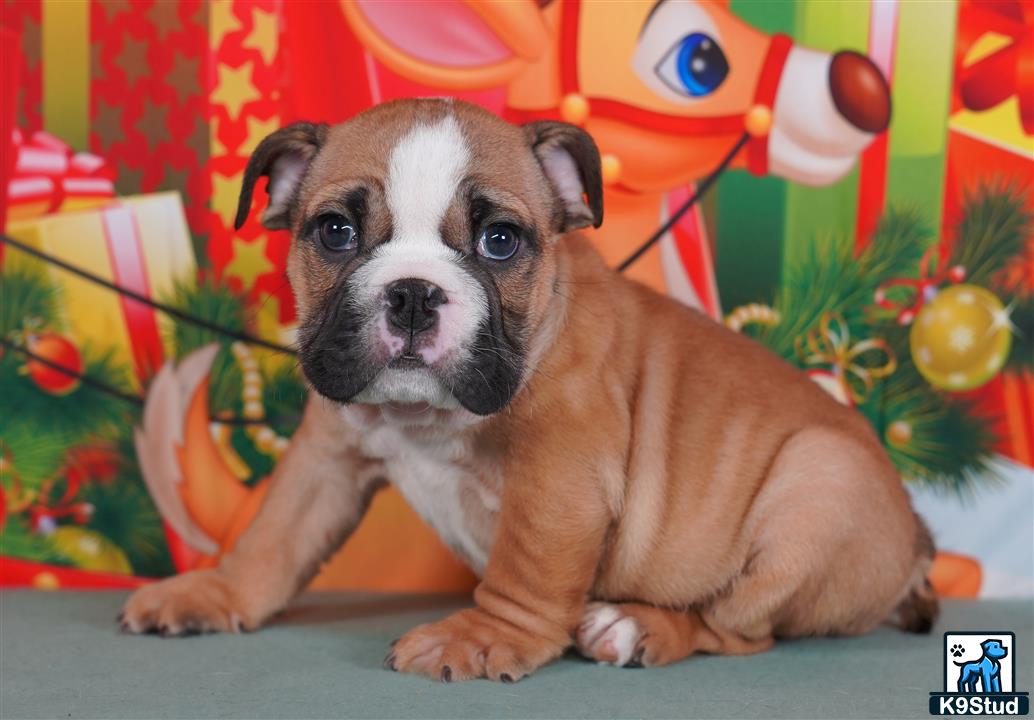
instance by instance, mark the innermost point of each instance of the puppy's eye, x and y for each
(498, 242)
(337, 234)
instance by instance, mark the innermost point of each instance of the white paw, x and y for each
(607, 636)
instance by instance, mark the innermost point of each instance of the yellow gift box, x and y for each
(140, 243)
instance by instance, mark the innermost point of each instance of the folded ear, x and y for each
(284, 158)
(571, 161)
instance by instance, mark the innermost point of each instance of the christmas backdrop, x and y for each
(902, 285)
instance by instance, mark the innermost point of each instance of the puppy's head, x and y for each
(423, 255)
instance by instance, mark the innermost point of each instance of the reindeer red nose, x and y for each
(859, 91)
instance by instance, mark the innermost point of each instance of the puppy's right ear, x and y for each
(569, 158)
(284, 157)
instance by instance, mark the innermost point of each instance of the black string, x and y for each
(126, 397)
(161, 307)
(702, 188)
(84, 379)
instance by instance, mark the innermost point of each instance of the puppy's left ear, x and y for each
(284, 158)
(571, 161)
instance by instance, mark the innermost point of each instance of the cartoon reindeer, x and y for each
(666, 89)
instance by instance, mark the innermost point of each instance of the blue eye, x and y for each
(695, 66)
(498, 242)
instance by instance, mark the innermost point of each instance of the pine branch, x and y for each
(284, 395)
(994, 232)
(25, 293)
(951, 447)
(18, 540)
(218, 304)
(37, 428)
(830, 279)
(125, 513)
(1021, 355)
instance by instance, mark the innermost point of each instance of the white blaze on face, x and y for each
(811, 142)
(426, 168)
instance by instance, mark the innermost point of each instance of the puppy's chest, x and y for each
(459, 503)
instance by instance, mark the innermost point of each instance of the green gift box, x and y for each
(764, 224)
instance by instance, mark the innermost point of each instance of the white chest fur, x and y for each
(443, 491)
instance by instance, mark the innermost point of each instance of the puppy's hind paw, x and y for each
(610, 637)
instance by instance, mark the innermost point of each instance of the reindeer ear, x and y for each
(284, 158)
(571, 161)
(452, 45)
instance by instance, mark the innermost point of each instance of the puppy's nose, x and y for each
(859, 91)
(412, 304)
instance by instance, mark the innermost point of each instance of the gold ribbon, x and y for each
(857, 365)
(65, 37)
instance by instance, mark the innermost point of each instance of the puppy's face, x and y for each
(423, 256)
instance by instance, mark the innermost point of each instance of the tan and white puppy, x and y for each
(624, 474)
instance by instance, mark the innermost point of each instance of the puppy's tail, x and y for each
(919, 609)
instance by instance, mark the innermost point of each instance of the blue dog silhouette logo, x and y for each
(985, 673)
(979, 676)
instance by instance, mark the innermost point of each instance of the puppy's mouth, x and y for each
(407, 360)
(342, 367)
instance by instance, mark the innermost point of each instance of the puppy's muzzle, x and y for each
(412, 305)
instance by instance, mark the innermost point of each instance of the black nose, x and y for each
(412, 304)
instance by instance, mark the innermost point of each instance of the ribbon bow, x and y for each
(1006, 72)
(855, 365)
(49, 177)
(932, 274)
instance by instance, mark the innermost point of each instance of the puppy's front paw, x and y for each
(470, 644)
(188, 604)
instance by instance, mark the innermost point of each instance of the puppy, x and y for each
(623, 473)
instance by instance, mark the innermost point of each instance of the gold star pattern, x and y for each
(183, 77)
(235, 89)
(96, 62)
(249, 261)
(30, 41)
(153, 125)
(129, 181)
(164, 15)
(224, 195)
(263, 35)
(113, 8)
(197, 140)
(107, 123)
(257, 131)
(215, 145)
(133, 59)
(221, 21)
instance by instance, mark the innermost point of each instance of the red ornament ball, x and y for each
(59, 351)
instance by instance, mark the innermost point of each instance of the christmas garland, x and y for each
(947, 313)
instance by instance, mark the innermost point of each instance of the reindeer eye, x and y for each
(337, 234)
(694, 66)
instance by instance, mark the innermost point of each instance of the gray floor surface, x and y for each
(61, 657)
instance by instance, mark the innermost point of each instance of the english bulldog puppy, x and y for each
(624, 474)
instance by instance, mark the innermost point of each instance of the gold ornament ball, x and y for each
(574, 108)
(758, 121)
(899, 433)
(610, 169)
(46, 580)
(961, 338)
